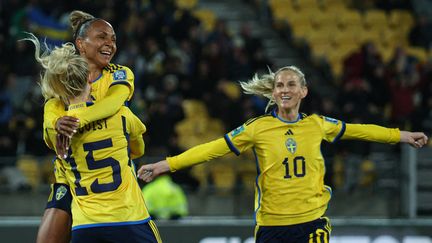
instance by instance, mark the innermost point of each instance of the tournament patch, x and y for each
(119, 75)
(332, 120)
(61, 192)
(291, 145)
(237, 131)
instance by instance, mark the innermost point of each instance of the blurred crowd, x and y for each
(175, 59)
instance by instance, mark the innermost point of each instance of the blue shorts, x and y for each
(136, 233)
(60, 197)
(314, 231)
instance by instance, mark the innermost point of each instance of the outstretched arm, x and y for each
(193, 156)
(375, 133)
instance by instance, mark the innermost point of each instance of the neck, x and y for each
(78, 99)
(94, 73)
(289, 114)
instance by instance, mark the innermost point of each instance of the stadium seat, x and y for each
(418, 52)
(197, 127)
(29, 166)
(207, 18)
(186, 4)
(301, 29)
(349, 36)
(333, 5)
(371, 35)
(398, 18)
(322, 19)
(223, 175)
(349, 18)
(375, 19)
(303, 5)
(247, 172)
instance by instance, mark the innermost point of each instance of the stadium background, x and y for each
(365, 62)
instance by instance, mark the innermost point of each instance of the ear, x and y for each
(79, 45)
(304, 92)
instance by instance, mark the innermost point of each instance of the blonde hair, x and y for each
(264, 85)
(65, 72)
(80, 22)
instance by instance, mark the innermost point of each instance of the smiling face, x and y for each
(99, 44)
(288, 91)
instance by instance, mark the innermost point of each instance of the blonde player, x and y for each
(112, 87)
(107, 203)
(291, 198)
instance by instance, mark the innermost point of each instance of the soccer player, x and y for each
(291, 198)
(112, 87)
(107, 202)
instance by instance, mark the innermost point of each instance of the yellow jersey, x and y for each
(111, 75)
(289, 187)
(100, 173)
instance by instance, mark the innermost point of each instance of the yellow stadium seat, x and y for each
(247, 173)
(375, 19)
(301, 30)
(207, 18)
(420, 53)
(320, 50)
(223, 175)
(390, 38)
(349, 18)
(186, 4)
(386, 52)
(305, 4)
(197, 127)
(333, 5)
(322, 19)
(398, 18)
(320, 36)
(371, 35)
(348, 36)
(274, 4)
(29, 166)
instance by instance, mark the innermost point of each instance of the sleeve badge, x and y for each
(119, 75)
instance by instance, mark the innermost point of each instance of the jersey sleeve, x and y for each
(106, 107)
(333, 129)
(123, 75)
(53, 109)
(136, 140)
(240, 139)
(372, 133)
(60, 171)
(198, 154)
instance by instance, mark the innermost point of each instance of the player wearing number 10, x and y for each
(291, 198)
(107, 202)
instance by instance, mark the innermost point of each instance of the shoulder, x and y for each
(119, 72)
(112, 67)
(258, 119)
(54, 103)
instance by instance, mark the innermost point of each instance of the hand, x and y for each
(67, 125)
(62, 146)
(415, 139)
(150, 171)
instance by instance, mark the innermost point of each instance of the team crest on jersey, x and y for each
(332, 120)
(61, 192)
(237, 131)
(291, 145)
(119, 75)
